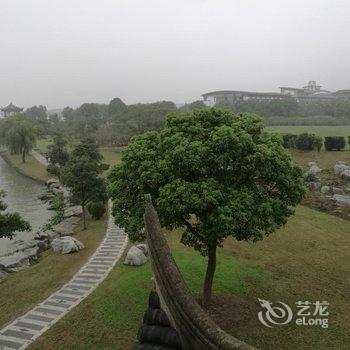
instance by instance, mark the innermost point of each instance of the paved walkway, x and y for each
(25, 329)
(40, 158)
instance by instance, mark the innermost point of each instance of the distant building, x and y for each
(11, 109)
(309, 93)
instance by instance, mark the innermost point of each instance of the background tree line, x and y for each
(115, 123)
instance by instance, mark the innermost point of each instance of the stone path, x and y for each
(40, 158)
(25, 329)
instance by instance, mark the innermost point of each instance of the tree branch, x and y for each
(192, 230)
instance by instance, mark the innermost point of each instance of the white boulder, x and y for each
(314, 169)
(346, 174)
(340, 168)
(310, 164)
(17, 261)
(143, 247)
(135, 257)
(73, 211)
(341, 199)
(52, 181)
(19, 245)
(66, 245)
(337, 190)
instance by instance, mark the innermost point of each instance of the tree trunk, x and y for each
(209, 276)
(84, 218)
(23, 156)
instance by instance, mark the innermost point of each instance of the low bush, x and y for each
(53, 169)
(96, 209)
(332, 143)
(308, 142)
(289, 140)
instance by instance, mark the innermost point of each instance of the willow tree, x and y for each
(211, 173)
(10, 222)
(21, 138)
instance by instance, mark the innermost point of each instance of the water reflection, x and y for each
(22, 197)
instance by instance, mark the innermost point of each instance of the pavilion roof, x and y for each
(11, 108)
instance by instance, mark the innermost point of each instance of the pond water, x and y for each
(21, 197)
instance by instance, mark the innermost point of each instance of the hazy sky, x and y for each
(65, 52)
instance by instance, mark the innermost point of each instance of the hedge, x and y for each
(309, 142)
(334, 143)
(289, 140)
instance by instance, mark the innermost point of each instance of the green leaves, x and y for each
(212, 172)
(10, 222)
(82, 174)
(20, 138)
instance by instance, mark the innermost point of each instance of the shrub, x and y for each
(349, 140)
(53, 169)
(306, 141)
(96, 209)
(334, 143)
(289, 140)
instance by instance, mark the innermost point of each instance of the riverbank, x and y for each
(31, 169)
(24, 289)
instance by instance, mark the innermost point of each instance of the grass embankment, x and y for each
(308, 259)
(31, 166)
(22, 290)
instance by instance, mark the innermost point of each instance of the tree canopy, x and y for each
(211, 172)
(21, 138)
(82, 174)
(116, 105)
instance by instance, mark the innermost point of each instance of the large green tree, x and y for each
(10, 222)
(82, 174)
(214, 174)
(21, 138)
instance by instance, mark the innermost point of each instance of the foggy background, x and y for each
(60, 53)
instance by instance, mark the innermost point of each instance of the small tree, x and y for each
(21, 139)
(82, 175)
(58, 151)
(214, 174)
(10, 222)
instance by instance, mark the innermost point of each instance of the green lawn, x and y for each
(42, 145)
(111, 156)
(337, 130)
(22, 290)
(31, 166)
(308, 259)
